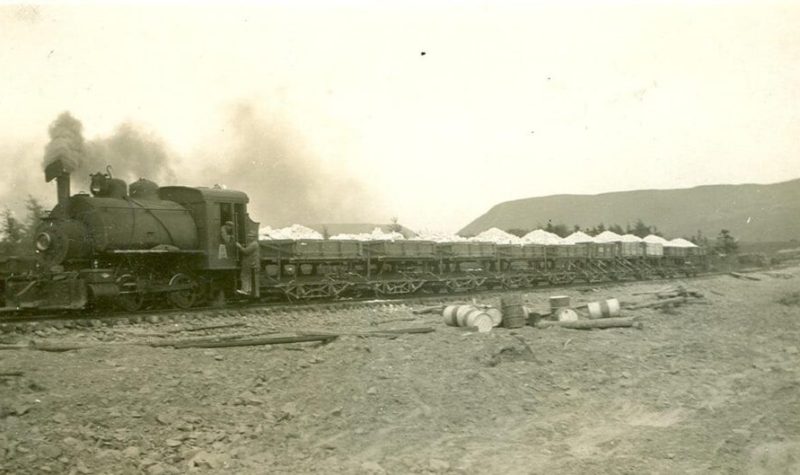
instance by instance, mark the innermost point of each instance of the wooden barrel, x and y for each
(604, 309)
(513, 312)
(557, 302)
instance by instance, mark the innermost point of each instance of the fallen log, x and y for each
(177, 344)
(275, 340)
(743, 276)
(216, 342)
(7, 374)
(592, 324)
(209, 327)
(391, 331)
(658, 303)
(660, 291)
(432, 309)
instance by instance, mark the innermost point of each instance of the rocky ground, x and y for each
(700, 388)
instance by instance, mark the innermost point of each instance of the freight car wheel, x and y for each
(130, 302)
(186, 293)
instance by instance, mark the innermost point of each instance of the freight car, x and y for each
(308, 268)
(166, 245)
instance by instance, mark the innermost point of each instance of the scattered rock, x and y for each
(156, 469)
(204, 459)
(71, 441)
(132, 452)
(437, 465)
(82, 468)
(49, 451)
(337, 412)
(173, 443)
(164, 419)
(61, 418)
(288, 411)
(372, 391)
(372, 467)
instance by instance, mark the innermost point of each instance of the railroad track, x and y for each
(23, 323)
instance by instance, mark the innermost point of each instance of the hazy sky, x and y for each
(508, 100)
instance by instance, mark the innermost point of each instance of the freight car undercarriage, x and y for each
(131, 288)
(515, 275)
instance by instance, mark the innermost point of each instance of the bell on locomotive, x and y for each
(106, 186)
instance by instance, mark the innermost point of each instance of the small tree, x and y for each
(36, 213)
(561, 230)
(640, 229)
(395, 225)
(13, 232)
(726, 244)
(616, 228)
(700, 239)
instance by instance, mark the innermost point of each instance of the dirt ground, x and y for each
(700, 388)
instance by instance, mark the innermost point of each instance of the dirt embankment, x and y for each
(700, 388)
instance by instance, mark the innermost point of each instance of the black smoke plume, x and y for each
(131, 152)
(66, 143)
(286, 183)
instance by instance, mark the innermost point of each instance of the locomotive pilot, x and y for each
(249, 265)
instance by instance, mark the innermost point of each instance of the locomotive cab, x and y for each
(214, 209)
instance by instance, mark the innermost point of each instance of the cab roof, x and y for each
(187, 194)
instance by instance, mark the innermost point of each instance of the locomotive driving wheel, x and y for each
(129, 300)
(185, 293)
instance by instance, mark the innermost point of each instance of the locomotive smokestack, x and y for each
(58, 170)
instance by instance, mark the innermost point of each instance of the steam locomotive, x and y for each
(144, 244)
(130, 246)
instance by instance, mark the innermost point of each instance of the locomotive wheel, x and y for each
(183, 298)
(129, 302)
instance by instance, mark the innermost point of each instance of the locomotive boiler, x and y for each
(129, 245)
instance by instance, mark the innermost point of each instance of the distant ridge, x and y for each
(753, 213)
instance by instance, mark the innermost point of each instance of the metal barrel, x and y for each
(475, 318)
(467, 316)
(514, 315)
(449, 315)
(603, 309)
(496, 314)
(566, 315)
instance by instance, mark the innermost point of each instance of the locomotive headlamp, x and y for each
(43, 241)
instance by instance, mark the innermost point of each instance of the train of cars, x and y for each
(175, 245)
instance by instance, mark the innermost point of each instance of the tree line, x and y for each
(724, 243)
(639, 228)
(17, 234)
